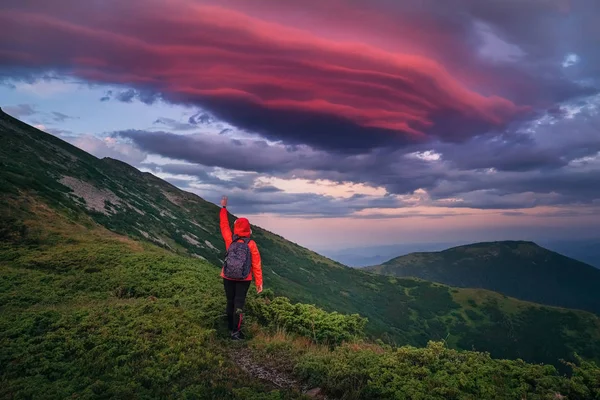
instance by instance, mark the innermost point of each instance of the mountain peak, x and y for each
(499, 243)
(516, 268)
(523, 247)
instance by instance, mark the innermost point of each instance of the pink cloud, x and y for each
(222, 59)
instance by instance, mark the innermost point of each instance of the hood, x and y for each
(241, 227)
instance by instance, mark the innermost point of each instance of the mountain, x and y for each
(375, 255)
(587, 251)
(518, 269)
(88, 313)
(39, 171)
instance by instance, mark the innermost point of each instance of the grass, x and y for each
(89, 313)
(86, 313)
(364, 370)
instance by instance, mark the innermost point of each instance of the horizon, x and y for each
(337, 126)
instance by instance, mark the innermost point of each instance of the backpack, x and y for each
(238, 259)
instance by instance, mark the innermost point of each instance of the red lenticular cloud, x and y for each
(276, 80)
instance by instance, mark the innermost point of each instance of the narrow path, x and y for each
(242, 356)
(278, 378)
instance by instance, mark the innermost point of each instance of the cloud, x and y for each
(305, 205)
(203, 175)
(21, 110)
(174, 125)
(471, 104)
(218, 151)
(129, 95)
(107, 96)
(267, 189)
(126, 96)
(200, 118)
(60, 117)
(524, 169)
(549, 143)
(27, 110)
(277, 81)
(103, 147)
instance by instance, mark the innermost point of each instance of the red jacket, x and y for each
(241, 228)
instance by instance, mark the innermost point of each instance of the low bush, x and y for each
(307, 320)
(436, 372)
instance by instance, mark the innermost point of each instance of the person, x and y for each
(236, 289)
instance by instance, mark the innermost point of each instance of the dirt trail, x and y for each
(279, 379)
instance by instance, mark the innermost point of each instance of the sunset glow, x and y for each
(399, 120)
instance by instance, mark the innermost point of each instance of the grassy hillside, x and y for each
(519, 269)
(87, 313)
(141, 207)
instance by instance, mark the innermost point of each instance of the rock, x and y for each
(314, 392)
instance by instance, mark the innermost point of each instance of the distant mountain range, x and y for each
(515, 268)
(587, 251)
(374, 255)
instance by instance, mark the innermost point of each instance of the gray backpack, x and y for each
(238, 259)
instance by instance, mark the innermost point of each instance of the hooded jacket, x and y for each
(241, 228)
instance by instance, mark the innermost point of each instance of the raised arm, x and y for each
(224, 223)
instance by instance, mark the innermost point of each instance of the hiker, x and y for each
(242, 261)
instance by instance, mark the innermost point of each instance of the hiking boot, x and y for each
(238, 335)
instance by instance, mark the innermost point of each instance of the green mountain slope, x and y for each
(87, 313)
(519, 269)
(140, 206)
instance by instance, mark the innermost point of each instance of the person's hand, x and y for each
(224, 201)
(259, 289)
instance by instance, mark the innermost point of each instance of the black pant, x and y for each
(235, 291)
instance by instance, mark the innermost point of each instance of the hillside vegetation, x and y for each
(519, 269)
(87, 313)
(37, 168)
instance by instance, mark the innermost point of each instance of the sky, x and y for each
(333, 123)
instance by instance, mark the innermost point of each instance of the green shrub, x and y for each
(307, 320)
(435, 372)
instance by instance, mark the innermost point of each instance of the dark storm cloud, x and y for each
(545, 172)
(512, 52)
(542, 146)
(218, 151)
(310, 90)
(345, 104)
